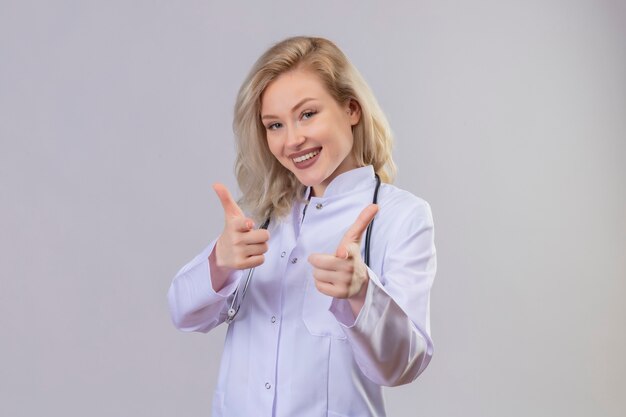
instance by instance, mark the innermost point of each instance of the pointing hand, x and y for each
(344, 274)
(240, 246)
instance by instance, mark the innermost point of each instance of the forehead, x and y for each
(289, 88)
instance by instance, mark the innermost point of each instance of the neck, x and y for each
(317, 191)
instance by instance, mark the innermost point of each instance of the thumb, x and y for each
(231, 209)
(355, 232)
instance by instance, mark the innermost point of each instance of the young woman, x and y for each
(329, 315)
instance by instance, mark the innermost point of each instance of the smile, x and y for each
(309, 155)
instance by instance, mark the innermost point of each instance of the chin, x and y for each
(309, 182)
(311, 177)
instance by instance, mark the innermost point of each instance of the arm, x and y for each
(194, 303)
(198, 294)
(390, 336)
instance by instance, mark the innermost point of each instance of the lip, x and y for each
(308, 162)
(304, 152)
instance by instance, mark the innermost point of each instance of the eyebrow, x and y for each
(300, 103)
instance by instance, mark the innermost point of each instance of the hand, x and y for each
(239, 246)
(344, 274)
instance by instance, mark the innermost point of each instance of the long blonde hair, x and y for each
(268, 187)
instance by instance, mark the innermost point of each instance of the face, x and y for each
(308, 132)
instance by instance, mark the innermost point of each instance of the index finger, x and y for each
(228, 204)
(355, 232)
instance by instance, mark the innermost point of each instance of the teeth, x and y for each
(305, 157)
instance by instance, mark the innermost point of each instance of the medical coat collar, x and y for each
(347, 182)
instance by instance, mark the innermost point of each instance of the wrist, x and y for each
(357, 300)
(219, 273)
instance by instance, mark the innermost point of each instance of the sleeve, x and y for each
(194, 305)
(390, 337)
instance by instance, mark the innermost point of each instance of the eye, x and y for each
(308, 114)
(273, 126)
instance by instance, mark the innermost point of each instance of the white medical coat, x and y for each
(293, 351)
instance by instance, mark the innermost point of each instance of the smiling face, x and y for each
(308, 132)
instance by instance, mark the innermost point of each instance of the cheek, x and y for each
(274, 147)
(342, 135)
(344, 142)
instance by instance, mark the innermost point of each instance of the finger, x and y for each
(350, 250)
(231, 209)
(255, 236)
(355, 232)
(330, 289)
(328, 262)
(257, 249)
(253, 261)
(331, 277)
(239, 224)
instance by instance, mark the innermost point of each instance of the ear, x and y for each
(353, 109)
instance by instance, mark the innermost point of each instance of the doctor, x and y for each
(317, 330)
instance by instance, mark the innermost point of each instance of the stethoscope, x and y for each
(240, 292)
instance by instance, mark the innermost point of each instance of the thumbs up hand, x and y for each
(344, 274)
(240, 246)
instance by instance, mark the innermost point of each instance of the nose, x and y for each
(295, 138)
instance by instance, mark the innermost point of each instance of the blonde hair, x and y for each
(269, 189)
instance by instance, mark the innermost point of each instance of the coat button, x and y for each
(319, 206)
(267, 385)
(282, 255)
(273, 319)
(294, 260)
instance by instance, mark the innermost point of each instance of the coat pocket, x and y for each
(318, 320)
